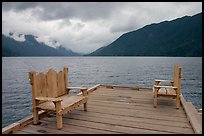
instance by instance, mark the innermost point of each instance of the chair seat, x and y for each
(166, 91)
(67, 101)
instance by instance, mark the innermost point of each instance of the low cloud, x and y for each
(86, 26)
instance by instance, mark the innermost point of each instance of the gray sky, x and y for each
(87, 26)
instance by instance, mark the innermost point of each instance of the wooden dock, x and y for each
(118, 109)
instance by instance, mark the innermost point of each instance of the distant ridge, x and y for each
(28, 45)
(179, 37)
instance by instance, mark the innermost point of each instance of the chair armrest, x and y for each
(170, 87)
(48, 99)
(158, 80)
(76, 88)
(82, 89)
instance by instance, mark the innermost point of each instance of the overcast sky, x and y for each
(86, 26)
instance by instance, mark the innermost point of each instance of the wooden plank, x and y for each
(131, 99)
(134, 96)
(168, 112)
(11, 128)
(127, 99)
(132, 119)
(115, 91)
(66, 77)
(37, 129)
(139, 116)
(141, 125)
(138, 106)
(127, 95)
(135, 114)
(193, 116)
(134, 105)
(138, 110)
(127, 87)
(124, 93)
(41, 84)
(61, 84)
(164, 102)
(21, 123)
(106, 127)
(21, 132)
(52, 83)
(76, 129)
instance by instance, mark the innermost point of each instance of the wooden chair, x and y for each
(50, 92)
(173, 90)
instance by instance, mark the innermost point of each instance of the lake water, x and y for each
(89, 71)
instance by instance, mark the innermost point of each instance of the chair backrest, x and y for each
(49, 84)
(177, 76)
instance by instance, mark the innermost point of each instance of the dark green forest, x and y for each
(179, 37)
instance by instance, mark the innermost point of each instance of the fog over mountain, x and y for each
(86, 26)
(29, 45)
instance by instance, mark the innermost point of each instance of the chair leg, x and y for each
(35, 116)
(177, 102)
(155, 98)
(85, 106)
(59, 120)
(155, 101)
(58, 114)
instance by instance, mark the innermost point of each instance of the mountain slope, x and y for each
(179, 37)
(31, 47)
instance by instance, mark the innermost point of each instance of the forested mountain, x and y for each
(179, 37)
(28, 45)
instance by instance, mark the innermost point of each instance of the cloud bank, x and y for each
(87, 26)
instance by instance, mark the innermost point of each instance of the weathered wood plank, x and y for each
(125, 87)
(107, 127)
(193, 116)
(135, 114)
(128, 99)
(163, 102)
(76, 129)
(11, 128)
(132, 119)
(52, 83)
(37, 129)
(175, 114)
(141, 125)
(41, 84)
(60, 82)
(135, 96)
(21, 123)
(21, 132)
(137, 106)
(167, 103)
